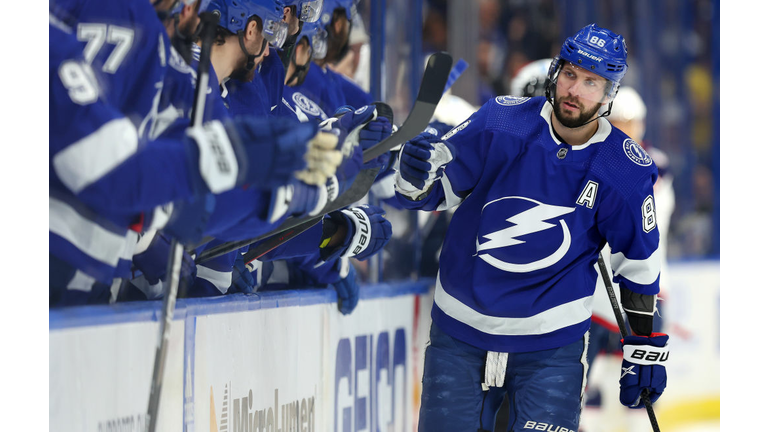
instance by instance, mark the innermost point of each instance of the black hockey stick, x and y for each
(623, 329)
(431, 91)
(171, 289)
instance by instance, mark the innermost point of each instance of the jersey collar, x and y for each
(603, 128)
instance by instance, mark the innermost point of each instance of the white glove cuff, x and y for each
(218, 163)
(322, 199)
(646, 354)
(362, 236)
(439, 156)
(403, 187)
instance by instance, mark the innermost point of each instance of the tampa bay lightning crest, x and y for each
(523, 235)
(306, 104)
(636, 153)
(510, 100)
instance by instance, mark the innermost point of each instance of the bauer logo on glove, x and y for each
(643, 368)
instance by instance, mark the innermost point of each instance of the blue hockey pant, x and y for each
(545, 388)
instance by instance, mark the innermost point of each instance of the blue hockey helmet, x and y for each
(597, 50)
(234, 15)
(329, 6)
(317, 38)
(306, 10)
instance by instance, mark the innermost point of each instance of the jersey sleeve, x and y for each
(470, 141)
(94, 149)
(628, 223)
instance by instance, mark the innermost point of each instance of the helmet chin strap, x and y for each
(299, 71)
(251, 57)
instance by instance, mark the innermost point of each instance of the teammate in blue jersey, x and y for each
(312, 43)
(295, 14)
(105, 178)
(321, 257)
(541, 185)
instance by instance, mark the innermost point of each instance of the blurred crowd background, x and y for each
(673, 64)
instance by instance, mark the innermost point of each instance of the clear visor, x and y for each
(577, 84)
(319, 44)
(310, 10)
(275, 32)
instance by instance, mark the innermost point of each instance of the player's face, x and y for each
(291, 19)
(302, 52)
(255, 44)
(338, 35)
(578, 96)
(188, 22)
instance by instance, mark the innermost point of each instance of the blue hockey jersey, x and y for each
(128, 43)
(518, 264)
(351, 93)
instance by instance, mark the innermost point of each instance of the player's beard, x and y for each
(243, 74)
(573, 122)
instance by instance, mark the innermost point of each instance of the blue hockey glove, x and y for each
(242, 278)
(347, 125)
(643, 368)
(297, 199)
(372, 134)
(368, 231)
(261, 152)
(422, 161)
(437, 128)
(189, 218)
(347, 291)
(152, 258)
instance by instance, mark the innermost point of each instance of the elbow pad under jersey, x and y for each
(640, 309)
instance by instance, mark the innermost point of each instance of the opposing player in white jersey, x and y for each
(541, 185)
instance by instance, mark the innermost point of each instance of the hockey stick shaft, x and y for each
(431, 91)
(176, 254)
(624, 332)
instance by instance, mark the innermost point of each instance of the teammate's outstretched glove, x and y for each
(643, 367)
(347, 125)
(368, 231)
(242, 278)
(297, 199)
(347, 291)
(372, 134)
(422, 161)
(258, 151)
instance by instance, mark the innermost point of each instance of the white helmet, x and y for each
(531, 79)
(627, 106)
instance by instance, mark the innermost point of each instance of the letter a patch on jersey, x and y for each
(588, 195)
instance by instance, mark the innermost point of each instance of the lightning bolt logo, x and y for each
(526, 222)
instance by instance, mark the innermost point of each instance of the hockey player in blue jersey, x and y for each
(541, 185)
(123, 187)
(295, 14)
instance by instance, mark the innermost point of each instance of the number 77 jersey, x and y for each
(127, 44)
(518, 263)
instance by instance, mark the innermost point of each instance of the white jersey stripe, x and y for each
(641, 272)
(451, 199)
(92, 239)
(558, 317)
(87, 160)
(221, 280)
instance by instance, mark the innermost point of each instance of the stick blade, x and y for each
(438, 69)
